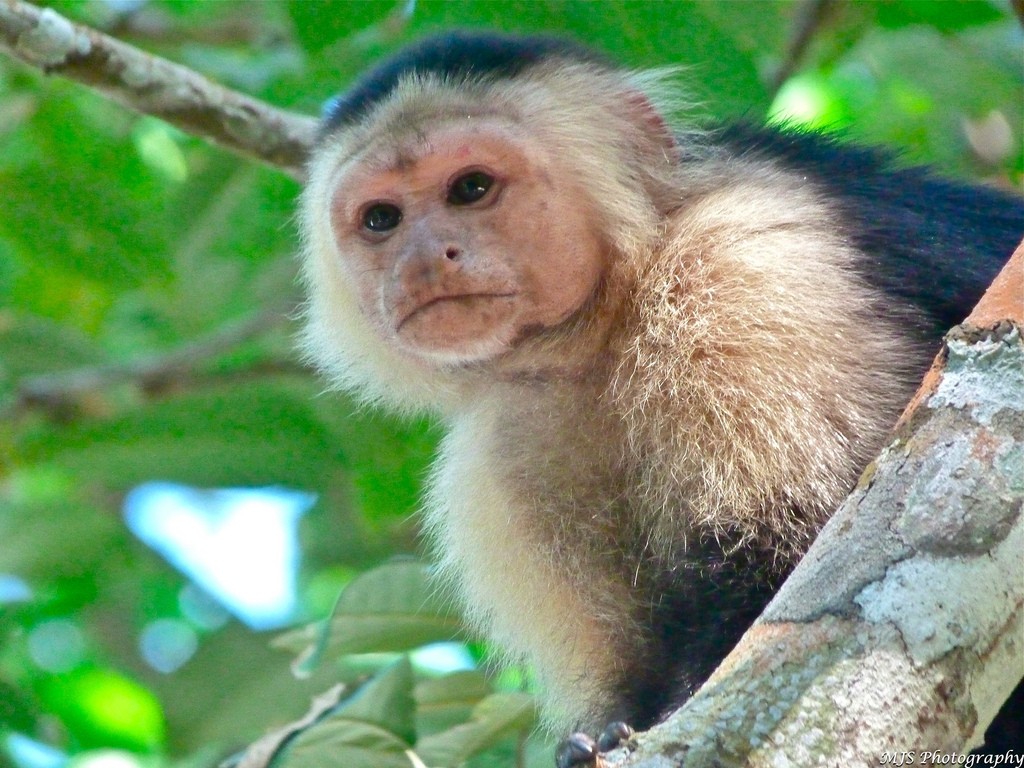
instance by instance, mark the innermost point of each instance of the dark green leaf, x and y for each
(493, 719)
(444, 702)
(386, 701)
(253, 434)
(319, 24)
(374, 727)
(341, 743)
(943, 16)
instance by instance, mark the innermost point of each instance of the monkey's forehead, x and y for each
(416, 111)
(555, 94)
(479, 138)
(452, 57)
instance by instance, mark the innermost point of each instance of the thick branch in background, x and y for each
(902, 629)
(154, 86)
(56, 392)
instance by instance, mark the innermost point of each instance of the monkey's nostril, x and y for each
(452, 254)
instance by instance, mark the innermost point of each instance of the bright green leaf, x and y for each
(105, 708)
(394, 607)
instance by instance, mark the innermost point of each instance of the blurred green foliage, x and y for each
(123, 239)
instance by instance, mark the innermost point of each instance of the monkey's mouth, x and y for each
(456, 322)
(460, 303)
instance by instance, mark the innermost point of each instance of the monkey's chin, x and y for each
(457, 330)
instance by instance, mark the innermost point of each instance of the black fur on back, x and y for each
(453, 55)
(930, 241)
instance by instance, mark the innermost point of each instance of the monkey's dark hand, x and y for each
(580, 749)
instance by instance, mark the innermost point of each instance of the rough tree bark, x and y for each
(902, 627)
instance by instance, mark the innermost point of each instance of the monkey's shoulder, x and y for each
(926, 239)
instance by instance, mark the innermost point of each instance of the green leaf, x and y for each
(945, 17)
(254, 434)
(93, 216)
(373, 728)
(494, 718)
(103, 707)
(319, 24)
(394, 607)
(444, 702)
(386, 701)
(341, 743)
(897, 98)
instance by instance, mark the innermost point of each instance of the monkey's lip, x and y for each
(466, 299)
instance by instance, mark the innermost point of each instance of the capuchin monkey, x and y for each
(663, 355)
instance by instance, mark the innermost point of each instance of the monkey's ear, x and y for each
(642, 113)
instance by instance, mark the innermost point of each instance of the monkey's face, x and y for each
(464, 239)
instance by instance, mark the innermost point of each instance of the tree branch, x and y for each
(810, 16)
(901, 627)
(154, 86)
(1018, 10)
(56, 391)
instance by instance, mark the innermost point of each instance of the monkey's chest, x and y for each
(525, 535)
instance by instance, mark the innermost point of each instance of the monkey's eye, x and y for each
(381, 217)
(469, 188)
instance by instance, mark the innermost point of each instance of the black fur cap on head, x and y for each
(454, 55)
